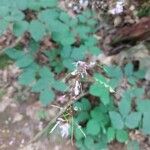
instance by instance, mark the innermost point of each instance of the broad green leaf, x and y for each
(101, 91)
(27, 77)
(133, 145)
(14, 54)
(116, 120)
(40, 85)
(20, 27)
(98, 115)
(93, 127)
(45, 73)
(46, 96)
(146, 123)
(83, 105)
(68, 63)
(128, 70)
(78, 133)
(110, 134)
(3, 26)
(121, 136)
(25, 61)
(82, 117)
(60, 86)
(78, 53)
(15, 15)
(113, 71)
(133, 119)
(89, 142)
(48, 15)
(37, 30)
(125, 106)
(143, 105)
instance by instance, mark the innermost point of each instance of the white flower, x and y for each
(77, 88)
(64, 130)
(118, 9)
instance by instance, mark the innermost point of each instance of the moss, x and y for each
(4, 61)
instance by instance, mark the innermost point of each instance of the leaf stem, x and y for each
(44, 131)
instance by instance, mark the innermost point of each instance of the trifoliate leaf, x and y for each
(121, 136)
(133, 119)
(93, 127)
(116, 120)
(110, 134)
(46, 96)
(37, 30)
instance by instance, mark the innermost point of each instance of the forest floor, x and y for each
(21, 115)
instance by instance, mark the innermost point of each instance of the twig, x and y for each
(15, 43)
(44, 131)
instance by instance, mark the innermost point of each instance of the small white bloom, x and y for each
(77, 88)
(64, 129)
(118, 9)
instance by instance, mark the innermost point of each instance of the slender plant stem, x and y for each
(44, 131)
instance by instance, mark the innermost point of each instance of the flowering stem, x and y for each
(44, 131)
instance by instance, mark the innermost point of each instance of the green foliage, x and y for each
(101, 121)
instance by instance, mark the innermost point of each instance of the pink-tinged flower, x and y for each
(64, 130)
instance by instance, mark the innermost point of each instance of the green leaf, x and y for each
(110, 134)
(128, 70)
(46, 96)
(78, 133)
(25, 61)
(113, 71)
(89, 142)
(37, 30)
(146, 123)
(14, 54)
(125, 106)
(40, 85)
(101, 91)
(3, 26)
(60, 86)
(82, 117)
(116, 120)
(121, 136)
(45, 73)
(93, 127)
(133, 119)
(143, 105)
(20, 27)
(48, 15)
(27, 77)
(133, 145)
